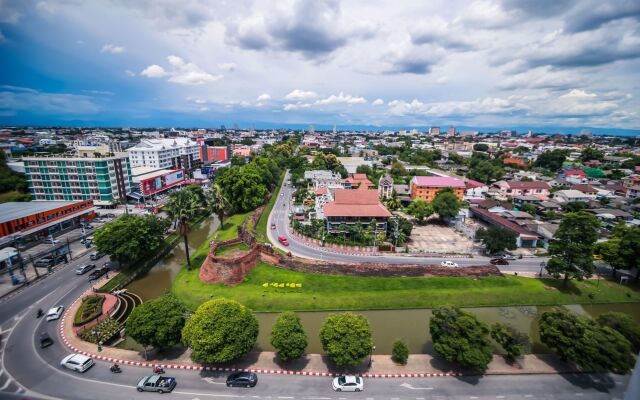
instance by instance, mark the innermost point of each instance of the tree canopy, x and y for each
(157, 323)
(446, 204)
(624, 324)
(580, 339)
(288, 336)
(420, 209)
(511, 340)
(460, 338)
(496, 238)
(572, 248)
(484, 170)
(591, 153)
(220, 330)
(182, 207)
(551, 159)
(129, 237)
(346, 338)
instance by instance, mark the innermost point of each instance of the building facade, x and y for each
(350, 207)
(105, 180)
(166, 153)
(426, 187)
(31, 218)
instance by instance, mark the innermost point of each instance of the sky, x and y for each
(499, 63)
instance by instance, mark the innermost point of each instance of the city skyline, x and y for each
(499, 64)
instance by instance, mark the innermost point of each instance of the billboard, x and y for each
(159, 183)
(174, 177)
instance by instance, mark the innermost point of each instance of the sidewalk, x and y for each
(419, 365)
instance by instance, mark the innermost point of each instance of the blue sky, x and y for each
(502, 63)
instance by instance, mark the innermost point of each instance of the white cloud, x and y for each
(181, 72)
(298, 94)
(296, 106)
(111, 48)
(18, 99)
(578, 94)
(128, 72)
(487, 105)
(341, 98)
(264, 97)
(378, 102)
(229, 67)
(154, 71)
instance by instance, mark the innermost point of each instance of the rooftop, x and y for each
(15, 210)
(527, 185)
(438, 181)
(355, 203)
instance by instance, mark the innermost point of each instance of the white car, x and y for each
(348, 383)
(54, 313)
(449, 264)
(77, 362)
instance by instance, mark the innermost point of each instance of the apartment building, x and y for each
(166, 153)
(426, 187)
(103, 179)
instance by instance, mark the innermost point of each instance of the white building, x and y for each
(570, 196)
(165, 153)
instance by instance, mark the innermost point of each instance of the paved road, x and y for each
(280, 217)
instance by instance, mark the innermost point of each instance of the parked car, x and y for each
(156, 383)
(54, 313)
(84, 268)
(51, 241)
(283, 240)
(348, 383)
(86, 226)
(49, 261)
(96, 256)
(242, 379)
(98, 273)
(449, 264)
(508, 257)
(45, 340)
(77, 362)
(499, 261)
(87, 240)
(273, 226)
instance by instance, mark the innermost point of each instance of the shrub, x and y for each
(512, 341)
(157, 323)
(346, 338)
(90, 308)
(288, 337)
(400, 352)
(100, 332)
(623, 323)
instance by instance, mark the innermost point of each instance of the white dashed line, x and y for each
(283, 397)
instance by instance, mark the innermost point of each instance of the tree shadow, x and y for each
(292, 365)
(601, 382)
(162, 356)
(558, 284)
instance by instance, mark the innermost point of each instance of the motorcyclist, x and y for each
(40, 312)
(158, 370)
(115, 368)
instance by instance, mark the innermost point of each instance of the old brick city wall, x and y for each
(231, 271)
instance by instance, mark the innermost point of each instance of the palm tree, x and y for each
(182, 206)
(218, 202)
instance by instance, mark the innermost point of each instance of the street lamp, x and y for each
(542, 265)
(371, 355)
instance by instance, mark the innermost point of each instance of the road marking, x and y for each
(528, 395)
(499, 397)
(409, 386)
(579, 394)
(212, 381)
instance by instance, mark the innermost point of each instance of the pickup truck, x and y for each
(156, 383)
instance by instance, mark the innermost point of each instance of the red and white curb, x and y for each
(222, 369)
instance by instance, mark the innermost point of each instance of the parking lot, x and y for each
(440, 239)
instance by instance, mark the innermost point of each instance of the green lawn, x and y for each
(225, 250)
(261, 226)
(229, 230)
(333, 292)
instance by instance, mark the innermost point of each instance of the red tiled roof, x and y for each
(528, 185)
(470, 183)
(512, 226)
(438, 181)
(355, 203)
(321, 190)
(576, 172)
(584, 188)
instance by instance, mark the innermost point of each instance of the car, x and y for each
(242, 379)
(77, 362)
(156, 383)
(449, 264)
(273, 226)
(98, 273)
(283, 240)
(49, 261)
(51, 241)
(348, 383)
(87, 240)
(86, 226)
(499, 261)
(96, 255)
(84, 268)
(54, 313)
(45, 340)
(99, 220)
(508, 257)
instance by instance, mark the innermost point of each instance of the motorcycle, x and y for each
(158, 370)
(40, 313)
(115, 368)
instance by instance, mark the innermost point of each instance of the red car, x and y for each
(273, 226)
(283, 240)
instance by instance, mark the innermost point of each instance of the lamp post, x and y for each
(371, 355)
(542, 265)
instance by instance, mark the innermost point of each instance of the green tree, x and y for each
(460, 338)
(130, 237)
(580, 339)
(397, 169)
(288, 336)
(529, 208)
(199, 194)
(220, 330)
(400, 352)
(480, 147)
(624, 324)
(591, 153)
(511, 340)
(455, 158)
(218, 202)
(446, 204)
(574, 206)
(420, 209)
(182, 207)
(157, 323)
(496, 238)
(244, 188)
(364, 169)
(484, 170)
(572, 247)
(551, 159)
(346, 338)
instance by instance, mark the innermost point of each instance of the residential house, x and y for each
(403, 192)
(385, 187)
(576, 176)
(586, 189)
(323, 178)
(355, 181)
(426, 187)
(356, 206)
(523, 188)
(474, 189)
(524, 237)
(633, 192)
(570, 196)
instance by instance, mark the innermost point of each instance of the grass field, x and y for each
(261, 226)
(229, 230)
(333, 292)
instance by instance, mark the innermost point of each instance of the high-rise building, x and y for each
(211, 154)
(434, 130)
(103, 179)
(166, 153)
(451, 131)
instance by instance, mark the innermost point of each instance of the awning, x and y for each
(135, 195)
(57, 221)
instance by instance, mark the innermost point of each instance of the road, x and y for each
(280, 217)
